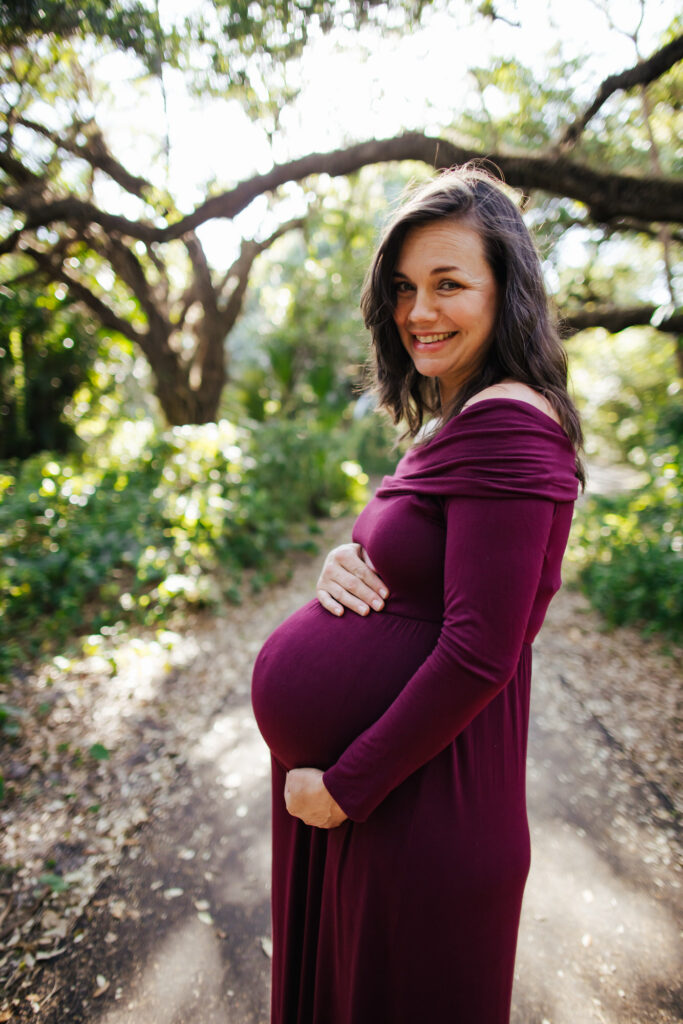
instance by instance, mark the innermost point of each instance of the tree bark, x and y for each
(642, 73)
(618, 318)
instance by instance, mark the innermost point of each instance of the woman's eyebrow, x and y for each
(436, 270)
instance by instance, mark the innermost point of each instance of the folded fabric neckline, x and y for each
(499, 447)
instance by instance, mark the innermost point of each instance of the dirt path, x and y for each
(163, 846)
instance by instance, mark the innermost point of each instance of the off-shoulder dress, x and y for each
(408, 912)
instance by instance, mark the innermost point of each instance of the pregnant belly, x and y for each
(319, 681)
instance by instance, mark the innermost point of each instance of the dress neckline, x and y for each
(498, 400)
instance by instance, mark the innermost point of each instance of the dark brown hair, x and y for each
(525, 345)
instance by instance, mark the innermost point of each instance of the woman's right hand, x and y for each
(348, 580)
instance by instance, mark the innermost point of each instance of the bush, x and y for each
(629, 552)
(46, 350)
(152, 521)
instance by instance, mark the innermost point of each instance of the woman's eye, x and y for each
(402, 287)
(450, 286)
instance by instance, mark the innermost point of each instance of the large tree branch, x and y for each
(609, 196)
(104, 313)
(642, 73)
(128, 267)
(616, 318)
(202, 289)
(241, 269)
(95, 152)
(72, 210)
(18, 171)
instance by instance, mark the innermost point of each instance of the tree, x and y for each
(56, 228)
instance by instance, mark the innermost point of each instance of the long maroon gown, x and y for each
(408, 912)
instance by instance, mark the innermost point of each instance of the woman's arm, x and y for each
(348, 580)
(494, 557)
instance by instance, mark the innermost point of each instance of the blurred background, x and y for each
(187, 210)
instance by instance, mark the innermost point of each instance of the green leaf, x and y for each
(55, 882)
(99, 752)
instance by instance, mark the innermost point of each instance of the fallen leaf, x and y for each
(117, 909)
(267, 946)
(102, 986)
(205, 917)
(172, 894)
(50, 954)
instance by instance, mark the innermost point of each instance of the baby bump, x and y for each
(319, 681)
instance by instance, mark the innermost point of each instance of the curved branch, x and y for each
(616, 318)
(609, 196)
(95, 152)
(72, 210)
(202, 288)
(241, 269)
(16, 170)
(104, 313)
(640, 74)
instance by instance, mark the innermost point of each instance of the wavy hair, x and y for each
(525, 343)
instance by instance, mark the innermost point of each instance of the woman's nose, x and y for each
(423, 308)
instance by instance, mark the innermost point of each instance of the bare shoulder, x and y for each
(518, 392)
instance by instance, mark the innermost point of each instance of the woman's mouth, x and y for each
(430, 339)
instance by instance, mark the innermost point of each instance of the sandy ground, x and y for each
(163, 847)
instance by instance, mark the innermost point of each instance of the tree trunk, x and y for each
(188, 391)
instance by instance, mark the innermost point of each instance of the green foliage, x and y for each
(629, 547)
(10, 719)
(99, 752)
(54, 882)
(301, 345)
(628, 394)
(150, 522)
(372, 440)
(247, 48)
(131, 26)
(630, 554)
(46, 349)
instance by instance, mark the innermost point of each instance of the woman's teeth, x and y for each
(428, 339)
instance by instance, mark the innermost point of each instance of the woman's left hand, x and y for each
(307, 798)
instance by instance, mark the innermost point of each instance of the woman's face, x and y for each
(446, 298)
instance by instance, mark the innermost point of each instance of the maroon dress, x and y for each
(409, 911)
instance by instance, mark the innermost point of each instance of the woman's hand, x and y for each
(307, 798)
(348, 581)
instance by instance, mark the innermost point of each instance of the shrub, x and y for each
(629, 552)
(148, 521)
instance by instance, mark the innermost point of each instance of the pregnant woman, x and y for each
(398, 736)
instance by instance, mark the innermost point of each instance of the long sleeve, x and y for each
(494, 556)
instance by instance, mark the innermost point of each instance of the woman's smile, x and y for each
(445, 305)
(431, 339)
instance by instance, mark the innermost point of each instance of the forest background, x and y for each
(189, 197)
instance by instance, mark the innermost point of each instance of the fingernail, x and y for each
(383, 592)
(377, 604)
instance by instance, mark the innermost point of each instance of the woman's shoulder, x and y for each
(515, 391)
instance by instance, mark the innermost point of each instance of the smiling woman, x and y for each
(400, 837)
